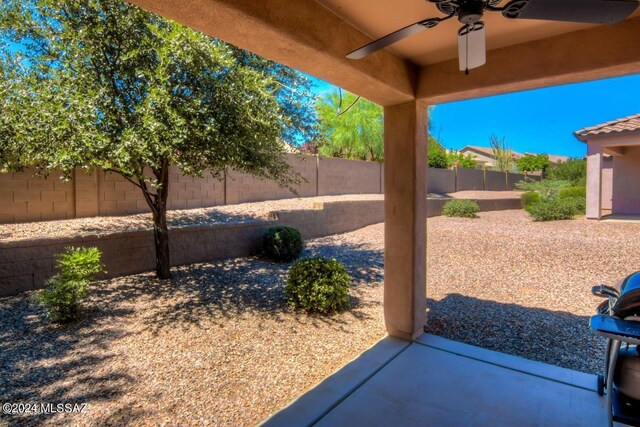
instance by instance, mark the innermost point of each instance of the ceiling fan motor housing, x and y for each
(470, 11)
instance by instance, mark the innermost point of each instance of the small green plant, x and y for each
(579, 204)
(62, 297)
(552, 210)
(318, 285)
(571, 192)
(530, 198)
(461, 208)
(282, 244)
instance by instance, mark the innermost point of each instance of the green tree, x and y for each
(573, 170)
(107, 84)
(436, 154)
(350, 128)
(533, 163)
(462, 160)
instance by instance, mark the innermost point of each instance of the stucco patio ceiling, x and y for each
(315, 35)
(377, 18)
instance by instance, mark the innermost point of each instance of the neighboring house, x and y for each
(613, 167)
(485, 157)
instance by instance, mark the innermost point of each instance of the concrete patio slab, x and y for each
(434, 381)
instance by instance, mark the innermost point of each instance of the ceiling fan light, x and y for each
(472, 49)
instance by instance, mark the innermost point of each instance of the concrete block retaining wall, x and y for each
(26, 264)
(26, 198)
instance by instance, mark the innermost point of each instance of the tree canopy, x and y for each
(355, 133)
(533, 162)
(102, 83)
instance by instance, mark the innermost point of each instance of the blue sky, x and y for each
(541, 120)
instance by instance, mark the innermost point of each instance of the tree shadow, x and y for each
(554, 337)
(45, 363)
(215, 292)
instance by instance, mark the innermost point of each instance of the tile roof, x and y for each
(623, 125)
(553, 158)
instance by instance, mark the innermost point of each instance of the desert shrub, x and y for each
(282, 244)
(547, 188)
(552, 210)
(579, 204)
(573, 170)
(62, 297)
(571, 192)
(461, 208)
(318, 285)
(530, 198)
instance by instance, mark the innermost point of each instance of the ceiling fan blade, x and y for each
(472, 52)
(583, 11)
(389, 39)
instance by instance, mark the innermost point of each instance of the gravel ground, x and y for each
(176, 218)
(509, 284)
(203, 216)
(215, 346)
(218, 345)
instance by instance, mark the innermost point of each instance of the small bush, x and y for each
(570, 192)
(461, 208)
(552, 210)
(318, 285)
(64, 292)
(530, 198)
(579, 204)
(282, 244)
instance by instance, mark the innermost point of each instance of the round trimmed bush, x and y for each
(461, 208)
(571, 192)
(282, 244)
(318, 285)
(530, 198)
(552, 210)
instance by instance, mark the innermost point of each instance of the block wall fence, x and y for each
(25, 198)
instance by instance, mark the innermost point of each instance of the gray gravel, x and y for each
(218, 345)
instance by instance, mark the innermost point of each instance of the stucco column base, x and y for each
(405, 246)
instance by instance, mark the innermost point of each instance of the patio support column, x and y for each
(594, 181)
(405, 230)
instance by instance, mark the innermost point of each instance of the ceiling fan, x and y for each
(471, 37)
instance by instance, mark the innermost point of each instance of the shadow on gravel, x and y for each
(43, 363)
(554, 337)
(217, 291)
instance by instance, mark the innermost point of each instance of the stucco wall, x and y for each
(626, 182)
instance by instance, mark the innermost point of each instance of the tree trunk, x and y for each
(160, 229)
(161, 240)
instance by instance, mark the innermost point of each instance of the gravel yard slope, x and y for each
(219, 346)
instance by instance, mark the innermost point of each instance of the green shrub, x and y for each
(552, 210)
(579, 204)
(573, 170)
(461, 208)
(530, 198)
(318, 285)
(547, 188)
(77, 267)
(282, 244)
(570, 192)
